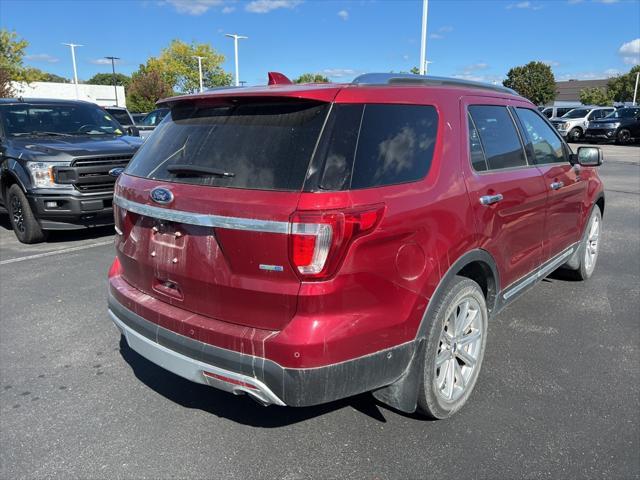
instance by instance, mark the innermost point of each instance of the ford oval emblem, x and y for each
(161, 195)
(115, 172)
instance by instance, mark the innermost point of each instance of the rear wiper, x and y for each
(197, 170)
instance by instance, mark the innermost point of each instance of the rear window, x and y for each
(376, 145)
(120, 115)
(253, 145)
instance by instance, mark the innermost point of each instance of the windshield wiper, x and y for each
(37, 133)
(185, 169)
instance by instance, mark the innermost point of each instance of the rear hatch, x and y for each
(203, 209)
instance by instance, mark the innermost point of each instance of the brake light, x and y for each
(319, 241)
(115, 268)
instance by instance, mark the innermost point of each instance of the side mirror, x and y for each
(589, 156)
(132, 131)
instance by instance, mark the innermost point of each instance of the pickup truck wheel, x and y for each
(574, 134)
(24, 223)
(454, 350)
(589, 246)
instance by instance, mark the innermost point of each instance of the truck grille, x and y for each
(91, 175)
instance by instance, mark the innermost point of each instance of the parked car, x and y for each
(305, 243)
(124, 118)
(151, 121)
(58, 164)
(621, 126)
(138, 117)
(555, 112)
(574, 123)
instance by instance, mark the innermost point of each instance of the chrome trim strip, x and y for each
(538, 273)
(192, 369)
(201, 219)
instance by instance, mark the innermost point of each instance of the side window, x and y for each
(548, 112)
(499, 137)
(395, 144)
(547, 147)
(478, 161)
(562, 111)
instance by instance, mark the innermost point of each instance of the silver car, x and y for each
(574, 123)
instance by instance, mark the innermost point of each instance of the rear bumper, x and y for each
(65, 211)
(263, 379)
(600, 134)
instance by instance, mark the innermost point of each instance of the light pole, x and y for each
(236, 37)
(635, 90)
(423, 42)
(73, 59)
(113, 75)
(200, 71)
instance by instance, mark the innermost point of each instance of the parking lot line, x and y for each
(56, 252)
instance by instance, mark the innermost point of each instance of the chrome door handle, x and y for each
(491, 199)
(556, 185)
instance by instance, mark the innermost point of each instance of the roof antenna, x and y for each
(277, 78)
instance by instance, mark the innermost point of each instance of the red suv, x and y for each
(305, 243)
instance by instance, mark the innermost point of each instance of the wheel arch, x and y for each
(478, 265)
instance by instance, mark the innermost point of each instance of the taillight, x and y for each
(319, 240)
(115, 268)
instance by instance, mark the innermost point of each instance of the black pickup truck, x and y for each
(59, 160)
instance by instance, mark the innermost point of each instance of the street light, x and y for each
(113, 75)
(236, 37)
(423, 43)
(73, 59)
(200, 71)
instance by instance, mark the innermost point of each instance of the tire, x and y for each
(23, 221)
(623, 137)
(441, 393)
(584, 263)
(574, 134)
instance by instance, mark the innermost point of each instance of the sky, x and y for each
(472, 39)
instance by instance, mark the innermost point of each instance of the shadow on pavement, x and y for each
(63, 235)
(240, 409)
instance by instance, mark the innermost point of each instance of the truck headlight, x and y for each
(42, 175)
(614, 125)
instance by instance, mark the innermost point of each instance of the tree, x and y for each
(107, 79)
(534, 81)
(621, 87)
(145, 89)
(179, 69)
(311, 78)
(415, 71)
(12, 49)
(595, 96)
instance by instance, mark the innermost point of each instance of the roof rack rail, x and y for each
(412, 79)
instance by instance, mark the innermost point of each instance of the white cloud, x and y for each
(228, 9)
(103, 61)
(524, 6)
(42, 57)
(610, 72)
(446, 28)
(551, 63)
(630, 52)
(265, 6)
(475, 67)
(436, 36)
(574, 2)
(193, 7)
(607, 1)
(493, 79)
(343, 14)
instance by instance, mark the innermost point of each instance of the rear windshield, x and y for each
(254, 145)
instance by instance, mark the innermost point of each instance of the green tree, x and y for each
(415, 71)
(107, 79)
(595, 96)
(179, 69)
(145, 89)
(534, 81)
(621, 87)
(12, 50)
(311, 78)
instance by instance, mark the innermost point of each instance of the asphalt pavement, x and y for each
(558, 395)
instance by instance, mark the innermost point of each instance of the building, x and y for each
(568, 93)
(103, 95)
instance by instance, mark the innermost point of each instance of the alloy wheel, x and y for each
(459, 350)
(17, 213)
(591, 249)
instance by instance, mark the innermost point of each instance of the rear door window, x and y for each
(253, 145)
(499, 137)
